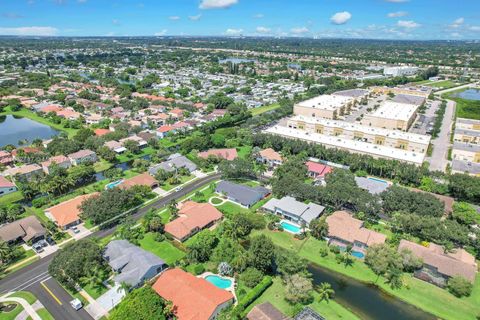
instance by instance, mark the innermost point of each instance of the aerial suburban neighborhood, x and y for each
(322, 166)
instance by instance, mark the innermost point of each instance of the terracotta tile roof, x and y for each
(4, 154)
(193, 298)
(192, 216)
(143, 179)
(165, 129)
(51, 108)
(227, 154)
(4, 183)
(24, 169)
(270, 154)
(81, 154)
(458, 262)
(101, 132)
(343, 226)
(318, 168)
(68, 211)
(26, 150)
(56, 159)
(266, 311)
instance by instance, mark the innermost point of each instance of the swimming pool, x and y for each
(219, 282)
(358, 254)
(113, 184)
(378, 180)
(290, 227)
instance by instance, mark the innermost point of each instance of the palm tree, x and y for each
(4, 250)
(325, 291)
(124, 286)
(347, 256)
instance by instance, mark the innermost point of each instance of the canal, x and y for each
(366, 300)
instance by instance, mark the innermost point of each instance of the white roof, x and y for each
(326, 102)
(395, 110)
(352, 145)
(394, 134)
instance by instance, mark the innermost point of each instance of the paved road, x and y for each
(438, 161)
(30, 277)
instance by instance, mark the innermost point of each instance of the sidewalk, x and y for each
(26, 306)
(93, 308)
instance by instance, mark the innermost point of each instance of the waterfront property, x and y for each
(60, 161)
(440, 265)
(174, 162)
(344, 230)
(266, 311)
(192, 297)
(244, 195)
(25, 172)
(293, 210)
(133, 265)
(192, 218)
(6, 186)
(83, 156)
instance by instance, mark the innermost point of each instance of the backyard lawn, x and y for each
(262, 109)
(165, 250)
(244, 151)
(127, 156)
(95, 291)
(275, 294)
(11, 198)
(419, 293)
(229, 209)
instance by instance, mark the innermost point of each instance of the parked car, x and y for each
(76, 304)
(50, 241)
(37, 247)
(75, 229)
(179, 189)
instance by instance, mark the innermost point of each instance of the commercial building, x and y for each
(466, 147)
(357, 132)
(423, 91)
(400, 71)
(466, 152)
(392, 115)
(325, 106)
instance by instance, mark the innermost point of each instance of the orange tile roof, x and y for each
(101, 132)
(343, 226)
(193, 298)
(68, 211)
(56, 159)
(192, 215)
(227, 154)
(165, 129)
(270, 154)
(143, 179)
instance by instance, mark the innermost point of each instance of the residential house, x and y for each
(440, 265)
(308, 314)
(317, 170)
(101, 132)
(227, 154)
(192, 297)
(61, 161)
(193, 217)
(6, 186)
(266, 311)
(26, 229)
(67, 213)
(270, 157)
(141, 143)
(6, 158)
(291, 209)
(373, 186)
(344, 230)
(83, 156)
(115, 146)
(176, 113)
(143, 179)
(19, 154)
(132, 264)
(244, 195)
(163, 131)
(173, 162)
(25, 173)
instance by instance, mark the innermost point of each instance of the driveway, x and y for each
(438, 160)
(111, 298)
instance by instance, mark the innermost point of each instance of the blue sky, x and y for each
(385, 19)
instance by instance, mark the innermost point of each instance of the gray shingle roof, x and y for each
(242, 194)
(307, 212)
(372, 186)
(174, 161)
(132, 262)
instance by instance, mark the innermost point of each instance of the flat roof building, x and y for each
(392, 115)
(324, 106)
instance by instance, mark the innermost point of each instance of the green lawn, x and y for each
(94, 291)
(102, 165)
(44, 314)
(35, 117)
(127, 156)
(11, 198)
(262, 109)
(244, 151)
(275, 294)
(416, 292)
(167, 186)
(30, 298)
(445, 84)
(165, 250)
(469, 109)
(229, 209)
(12, 314)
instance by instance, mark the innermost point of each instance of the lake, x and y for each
(366, 300)
(14, 129)
(236, 60)
(469, 94)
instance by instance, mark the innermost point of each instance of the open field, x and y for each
(260, 110)
(469, 109)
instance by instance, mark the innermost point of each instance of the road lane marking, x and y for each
(31, 281)
(49, 291)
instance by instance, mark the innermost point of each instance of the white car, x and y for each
(76, 304)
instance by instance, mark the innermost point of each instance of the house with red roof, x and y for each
(164, 130)
(101, 132)
(143, 179)
(6, 158)
(317, 170)
(193, 217)
(6, 186)
(67, 213)
(192, 298)
(227, 154)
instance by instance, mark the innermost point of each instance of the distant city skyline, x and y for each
(365, 19)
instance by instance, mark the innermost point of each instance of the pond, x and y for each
(469, 94)
(366, 300)
(236, 60)
(15, 129)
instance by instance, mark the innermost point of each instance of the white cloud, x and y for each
(233, 32)
(217, 4)
(160, 33)
(259, 16)
(397, 14)
(195, 18)
(474, 28)
(299, 30)
(341, 17)
(174, 18)
(408, 24)
(29, 31)
(457, 23)
(263, 30)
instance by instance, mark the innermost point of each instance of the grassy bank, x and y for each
(416, 292)
(469, 109)
(260, 110)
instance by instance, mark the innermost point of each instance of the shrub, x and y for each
(459, 286)
(159, 237)
(271, 225)
(198, 269)
(334, 249)
(253, 294)
(251, 277)
(323, 252)
(225, 269)
(40, 202)
(280, 228)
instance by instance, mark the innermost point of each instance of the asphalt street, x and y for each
(35, 277)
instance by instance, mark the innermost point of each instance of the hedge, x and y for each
(253, 294)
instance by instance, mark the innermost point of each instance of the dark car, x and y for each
(50, 241)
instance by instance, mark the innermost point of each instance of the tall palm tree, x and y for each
(347, 256)
(325, 291)
(4, 250)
